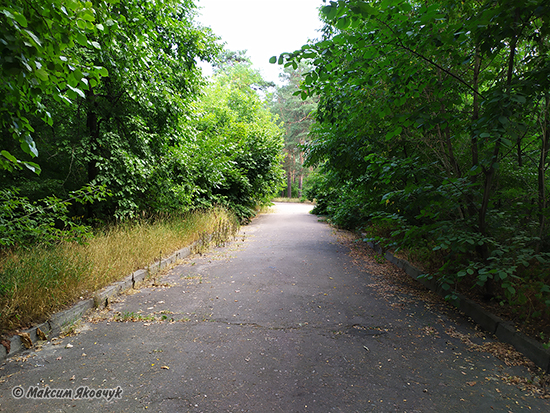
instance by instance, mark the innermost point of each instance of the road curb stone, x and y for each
(503, 330)
(101, 298)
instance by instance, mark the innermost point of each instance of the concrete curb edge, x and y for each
(502, 329)
(58, 321)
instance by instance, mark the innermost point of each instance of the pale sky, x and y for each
(264, 28)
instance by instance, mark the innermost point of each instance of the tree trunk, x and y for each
(490, 172)
(289, 185)
(301, 174)
(93, 131)
(474, 149)
(92, 125)
(543, 202)
(91, 122)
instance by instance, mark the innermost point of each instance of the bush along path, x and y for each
(287, 315)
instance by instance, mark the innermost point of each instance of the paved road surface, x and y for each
(278, 321)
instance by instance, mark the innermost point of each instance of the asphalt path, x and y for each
(279, 320)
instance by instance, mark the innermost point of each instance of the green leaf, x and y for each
(9, 156)
(78, 74)
(395, 132)
(33, 167)
(81, 39)
(20, 19)
(273, 60)
(386, 3)
(329, 12)
(33, 37)
(77, 91)
(343, 23)
(102, 71)
(507, 142)
(71, 4)
(518, 98)
(87, 15)
(41, 74)
(7, 13)
(29, 146)
(367, 10)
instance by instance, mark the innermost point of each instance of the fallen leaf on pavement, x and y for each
(26, 340)
(41, 335)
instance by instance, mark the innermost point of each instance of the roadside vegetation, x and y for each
(115, 149)
(38, 281)
(432, 136)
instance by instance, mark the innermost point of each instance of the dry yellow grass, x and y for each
(35, 283)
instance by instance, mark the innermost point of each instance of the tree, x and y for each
(136, 115)
(235, 68)
(120, 128)
(433, 119)
(38, 43)
(240, 159)
(297, 116)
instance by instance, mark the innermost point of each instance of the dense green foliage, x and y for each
(38, 40)
(433, 122)
(240, 140)
(109, 94)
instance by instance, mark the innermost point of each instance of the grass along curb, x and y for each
(26, 339)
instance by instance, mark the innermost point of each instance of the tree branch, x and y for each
(426, 59)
